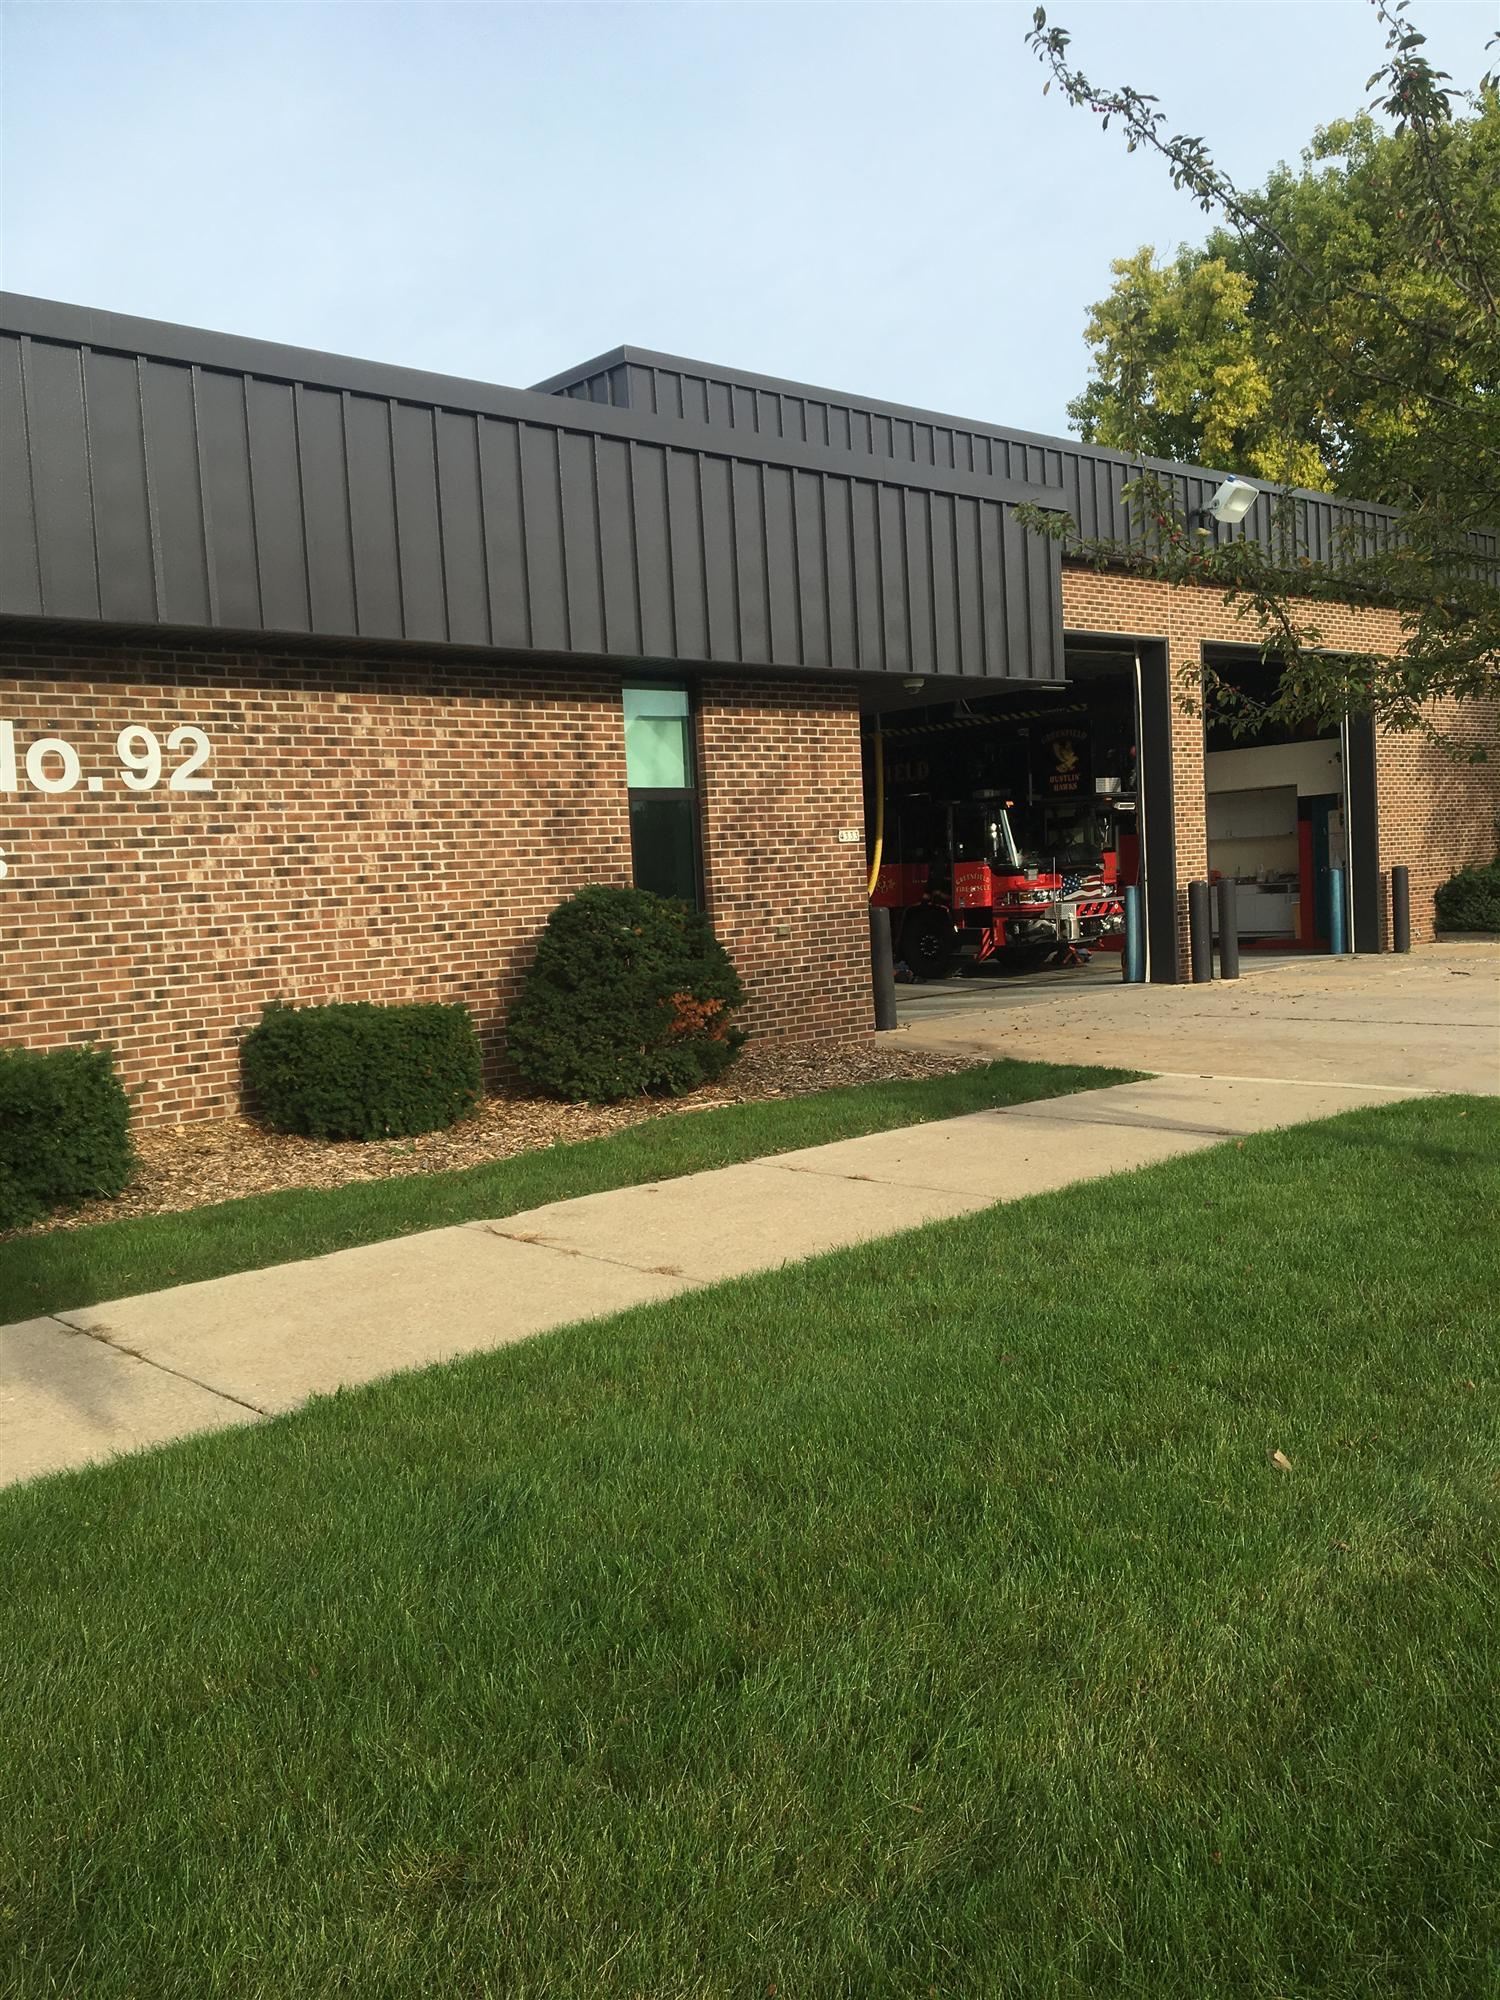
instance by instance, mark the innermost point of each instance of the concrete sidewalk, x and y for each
(83, 1385)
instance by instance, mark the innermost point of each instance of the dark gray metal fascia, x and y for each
(202, 483)
(645, 357)
(601, 364)
(86, 326)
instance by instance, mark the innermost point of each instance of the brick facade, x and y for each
(398, 828)
(779, 781)
(1437, 812)
(385, 829)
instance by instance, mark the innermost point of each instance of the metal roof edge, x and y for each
(165, 340)
(613, 357)
(51, 319)
(913, 413)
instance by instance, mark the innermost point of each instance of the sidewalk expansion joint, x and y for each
(1299, 1082)
(1142, 1123)
(883, 1181)
(539, 1242)
(134, 1354)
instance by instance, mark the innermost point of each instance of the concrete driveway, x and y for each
(1428, 1021)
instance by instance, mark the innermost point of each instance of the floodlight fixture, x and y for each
(1233, 501)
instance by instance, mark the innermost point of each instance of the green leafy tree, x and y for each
(1340, 328)
(1179, 372)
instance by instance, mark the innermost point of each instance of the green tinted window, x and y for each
(658, 743)
(663, 802)
(664, 846)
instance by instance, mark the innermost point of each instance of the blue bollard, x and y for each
(1133, 957)
(1338, 915)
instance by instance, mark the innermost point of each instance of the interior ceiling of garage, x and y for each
(1086, 670)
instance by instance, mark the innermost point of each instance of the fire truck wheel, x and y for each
(928, 944)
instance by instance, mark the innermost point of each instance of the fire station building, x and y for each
(322, 679)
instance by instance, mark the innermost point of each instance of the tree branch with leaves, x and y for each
(1337, 330)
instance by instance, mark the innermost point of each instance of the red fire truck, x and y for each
(975, 895)
(973, 873)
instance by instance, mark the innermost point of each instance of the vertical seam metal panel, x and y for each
(204, 507)
(632, 515)
(494, 437)
(153, 530)
(23, 342)
(88, 466)
(400, 478)
(264, 508)
(122, 531)
(50, 498)
(260, 593)
(402, 622)
(302, 499)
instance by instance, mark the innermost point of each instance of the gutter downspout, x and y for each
(879, 850)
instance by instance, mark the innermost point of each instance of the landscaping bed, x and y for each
(189, 1166)
(404, 1187)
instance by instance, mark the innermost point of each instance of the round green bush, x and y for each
(353, 1070)
(629, 993)
(1470, 900)
(64, 1130)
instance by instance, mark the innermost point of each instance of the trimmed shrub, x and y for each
(64, 1130)
(353, 1070)
(1470, 900)
(629, 993)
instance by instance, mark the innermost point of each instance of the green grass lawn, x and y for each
(928, 1619)
(55, 1271)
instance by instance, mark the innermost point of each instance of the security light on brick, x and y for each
(1233, 501)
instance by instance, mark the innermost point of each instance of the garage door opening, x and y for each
(1290, 824)
(1003, 829)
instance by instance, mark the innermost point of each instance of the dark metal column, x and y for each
(1401, 909)
(1229, 931)
(1362, 831)
(1200, 932)
(1155, 808)
(882, 968)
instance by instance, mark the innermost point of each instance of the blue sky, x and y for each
(871, 197)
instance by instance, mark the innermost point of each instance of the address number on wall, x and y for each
(51, 763)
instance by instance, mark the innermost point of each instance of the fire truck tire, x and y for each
(928, 943)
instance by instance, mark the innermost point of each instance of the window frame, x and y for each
(693, 792)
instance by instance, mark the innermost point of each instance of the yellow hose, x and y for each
(879, 807)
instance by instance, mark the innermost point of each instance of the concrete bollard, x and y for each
(882, 969)
(1200, 932)
(1229, 931)
(1401, 908)
(1133, 957)
(1338, 915)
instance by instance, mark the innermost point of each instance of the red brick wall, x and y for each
(779, 782)
(1436, 813)
(1439, 812)
(385, 830)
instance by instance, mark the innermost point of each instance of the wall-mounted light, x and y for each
(915, 685)
(1232, 502)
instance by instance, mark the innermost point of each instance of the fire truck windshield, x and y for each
(983, 833)
(1076, 834)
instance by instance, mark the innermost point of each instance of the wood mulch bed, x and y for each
(187, 1166)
